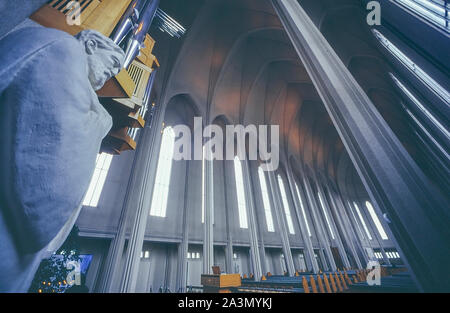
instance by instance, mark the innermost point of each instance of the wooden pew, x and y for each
(319, 282)
(333, 284)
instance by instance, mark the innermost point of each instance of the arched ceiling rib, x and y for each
(237, 62)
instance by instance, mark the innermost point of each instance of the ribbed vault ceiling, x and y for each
(236, 61)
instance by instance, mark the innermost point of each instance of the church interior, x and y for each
(359, 201)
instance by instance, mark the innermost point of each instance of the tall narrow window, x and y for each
(434, 11)
(204, 164)
(242, 207)
(420, 106)
(163, 171)
(414, 68)
(326, 215)
(362, 221)
(266, 201)
(287, 211)
(203, 185)
(98, 180)
(427, 134)
(376, 221)
(355, 219)
(303, 210)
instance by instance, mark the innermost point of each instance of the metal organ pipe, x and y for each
(128, 21)
(144, 22)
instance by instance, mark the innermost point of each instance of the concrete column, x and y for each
(345, 228)
(373, 228)
(229, 247)
(140, 196)
(259, 226)
(279, 212)
(326, 263)
(184, 245)
(369, 242)
(113, 258)
(262, 251)
(208, 230)
(333, 226)
(309, 251)
(354, 219)
(117, 245)
(320, 228)
(136, 186)
(395, 184)
(252, 223)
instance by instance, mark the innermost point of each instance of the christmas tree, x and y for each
(51, 276)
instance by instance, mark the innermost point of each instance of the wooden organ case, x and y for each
(123, 95)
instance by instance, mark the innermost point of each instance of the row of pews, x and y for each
(345, 280)
(400, 282)
(303, 282)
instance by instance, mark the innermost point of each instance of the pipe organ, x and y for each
(127, 96)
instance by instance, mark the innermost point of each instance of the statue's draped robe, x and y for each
(14, 12)
(52, 125)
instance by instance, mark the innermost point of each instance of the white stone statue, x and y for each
(52, 125)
